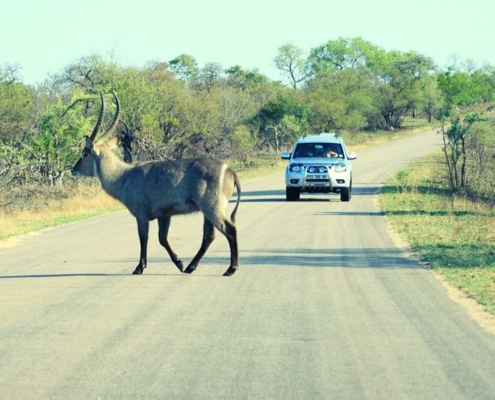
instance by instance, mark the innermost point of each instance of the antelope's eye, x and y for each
(85, 154)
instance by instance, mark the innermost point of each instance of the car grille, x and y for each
(309, 180)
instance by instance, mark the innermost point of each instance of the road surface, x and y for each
(324, 306)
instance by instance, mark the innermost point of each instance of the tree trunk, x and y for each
(126, 140)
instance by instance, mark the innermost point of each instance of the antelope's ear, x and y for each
(112, 143)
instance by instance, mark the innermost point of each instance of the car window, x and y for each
(309, 150)
(304, 150)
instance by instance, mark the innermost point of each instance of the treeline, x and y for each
(178, 109)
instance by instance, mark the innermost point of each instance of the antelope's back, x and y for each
(171, 182)
(213, 177)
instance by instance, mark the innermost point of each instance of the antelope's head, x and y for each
(86, 166)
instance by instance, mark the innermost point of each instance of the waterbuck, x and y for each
(162, 189)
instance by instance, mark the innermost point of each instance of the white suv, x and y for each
(319, 163)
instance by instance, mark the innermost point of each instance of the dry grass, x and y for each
(85, 201)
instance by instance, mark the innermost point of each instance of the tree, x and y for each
(185, 66)
(432, 97)
(87, 73)
(455, 139)
(345, 53)
(339, 99)
(11, 73)
(209, 75)
(283, 112)
(484, 84)
(292, 64)
(147, 95)
(242, 143)
(481, 145)
(43, 155)
(394, 78)
(244, 80)
(16, 108)
(400, 90)
(467, 85)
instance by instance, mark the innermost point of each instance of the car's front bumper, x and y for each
(327, 182)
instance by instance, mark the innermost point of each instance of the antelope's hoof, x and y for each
(138, 271)
(179, 265)
(189, 270)
(230, 271)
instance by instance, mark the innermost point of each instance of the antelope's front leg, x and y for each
(163, 227)
(208, 237)
(143, 228)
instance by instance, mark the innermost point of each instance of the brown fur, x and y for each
(162, 189)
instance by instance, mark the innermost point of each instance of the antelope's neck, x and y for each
(112, 173)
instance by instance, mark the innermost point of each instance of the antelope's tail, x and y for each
(238, 186)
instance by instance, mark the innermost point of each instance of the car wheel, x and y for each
(345, 193)
(292, 194)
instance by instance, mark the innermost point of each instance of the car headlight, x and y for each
(295, 168)
(340, 168)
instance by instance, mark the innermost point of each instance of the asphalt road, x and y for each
(324, 306)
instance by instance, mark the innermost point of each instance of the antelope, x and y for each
(162, 189)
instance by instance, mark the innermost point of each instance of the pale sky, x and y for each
(44, 36)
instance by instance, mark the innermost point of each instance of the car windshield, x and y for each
(330, 150)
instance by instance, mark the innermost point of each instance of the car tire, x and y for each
(345, 193)
(292, 194)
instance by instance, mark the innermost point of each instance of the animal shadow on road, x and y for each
(72, 275)
(266, 258)
(392, 258)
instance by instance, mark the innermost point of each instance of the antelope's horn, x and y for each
(100, 119)
(115, 121)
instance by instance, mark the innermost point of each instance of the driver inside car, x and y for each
(331, 152)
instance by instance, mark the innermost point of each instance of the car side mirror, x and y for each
(351, 156)
(285, 156)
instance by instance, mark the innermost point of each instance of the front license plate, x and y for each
(316, 177)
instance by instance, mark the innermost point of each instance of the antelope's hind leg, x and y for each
(229, 230)
(208, 237)
(163, 227)
(231, 235)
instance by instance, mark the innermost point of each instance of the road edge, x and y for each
(476, 311)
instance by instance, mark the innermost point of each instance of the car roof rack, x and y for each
(320, 136)
(315, 135)
(333, 134)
